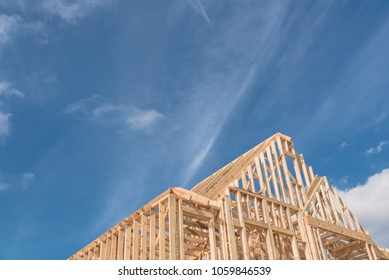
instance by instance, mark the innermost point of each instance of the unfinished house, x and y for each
(266, 204)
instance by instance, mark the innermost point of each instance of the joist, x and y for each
(339, 230)
(266, 204)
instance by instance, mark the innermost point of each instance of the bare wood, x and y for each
(152, 234)
(242, 224)
(172, 228)
(135, 239)
(278, 171)
(181, 230)
(114, 246)
(273, 174)
(212, 239)
(267, 182)
(120, 254)
(339, 230)
(109, 248)
(230, 226)
(128, 242)
(161, 232)
(143, 237)
(269, 232)
(207, 222)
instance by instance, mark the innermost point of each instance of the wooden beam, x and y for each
(181, 233)
(161, 231)
(230, 227)
(212, 239)
(172, 227)
(196, 213)
(243, 228)
(337, 229)
(120, 254)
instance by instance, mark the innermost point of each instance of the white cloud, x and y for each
(106, 113)
(378, 149)
(143, 119)
(8, 26)
(27, 179)
(6, 89)
(12, 26)
(197, 161)
(104, 109)
(4, 186)
(81, 105)
(369, 202)
(19, 181)
(198, 6)
(344, 145)
(4, 124)
(231, 65)
(70, 11)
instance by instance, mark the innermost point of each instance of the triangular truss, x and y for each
(266, 204)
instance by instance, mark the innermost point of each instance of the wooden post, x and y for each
(269, 233)
(152, 234)
(230, 226)
(135, 238)
(143, 236)
(114, 246)
(181, 230)
(120, 254)
(128, 242)
(212, 239)
(172, 227)
(243, 226)
(161, 232)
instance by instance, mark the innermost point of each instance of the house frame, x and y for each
(266, 204)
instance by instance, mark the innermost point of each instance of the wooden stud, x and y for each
(152, 234)
(290, 216)
(161, 232)
(128, 243)
(172, 227)
(230, 227)
(181, 230)
(212, 239)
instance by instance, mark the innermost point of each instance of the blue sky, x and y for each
(105, 104)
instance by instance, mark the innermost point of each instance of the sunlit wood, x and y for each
(266, 204)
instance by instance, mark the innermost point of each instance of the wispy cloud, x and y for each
(12, 26)
(6, 89)
(8, 26)
(343, 145)
(97, 110)
(18, 22)
(361, 84)
(18, 181)
(378, 149)
(4, 125)
(82, 105)
(198, 160)
(231, 66)
(4, 186)
(198, 6)
(71, 11)
(142, 119)
(26, 179)
(369, 202)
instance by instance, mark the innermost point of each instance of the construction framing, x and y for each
(266, 204)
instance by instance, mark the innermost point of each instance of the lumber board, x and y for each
(266, 204)
(337, 229)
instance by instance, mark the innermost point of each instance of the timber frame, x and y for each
(266, 204)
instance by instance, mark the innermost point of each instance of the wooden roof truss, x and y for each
(266, 204)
